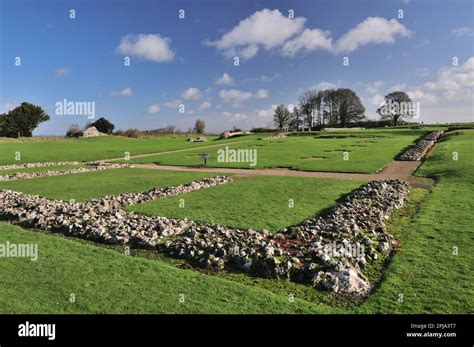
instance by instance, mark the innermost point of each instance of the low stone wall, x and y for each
(119, 201)
(305, 253)
(32, 165)
(93, 166)
(419, 150)
(99, 220)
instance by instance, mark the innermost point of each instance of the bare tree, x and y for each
(199, 126)
(281, 117)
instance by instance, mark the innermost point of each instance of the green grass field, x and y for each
(368, 151)
(106, 147)
(88, 185)
(106, 281)
(263, 202)
(433, 269)
(426, 271)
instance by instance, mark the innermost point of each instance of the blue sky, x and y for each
(190, 61)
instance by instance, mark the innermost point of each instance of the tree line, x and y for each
(340, 107)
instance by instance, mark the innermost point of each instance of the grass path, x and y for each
(402, 170)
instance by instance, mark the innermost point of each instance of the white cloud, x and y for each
(371, 30)
(464, 31)
(267, 113)
(63, 71)
(123, 92)
(374, 87)
(271, 30)
(153, 109)
(377, 99)
(205, 105)
(151, 47)
(225, 80)
(192, 94)
(237, 116)
(265, 28)
(234, 96)
(261, 94)
(265, 78)
(323, 86)
(173, 103)
(423, 72)
(309, 40)
(398, 87)
(421, 96)
(455, 82)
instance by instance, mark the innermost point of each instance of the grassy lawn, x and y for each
(106, 147)
(431, 278)
(367, 152)
(106, 281)
(261, 202)
(84, 186)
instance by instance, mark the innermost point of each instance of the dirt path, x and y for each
(395, 170)
(176, 151)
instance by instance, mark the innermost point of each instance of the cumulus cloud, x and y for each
(377, 100)
(63, 71)
(173, 103)
(421, 96)
(205, 105)
(192, 94)
(234, 96)
(422, 72)
(151, 47)
(268, 112)
(263, 29)
(373, 87)
(309, 40)
(323, 86)
(261, 94)
(123, 92)
(271, 30)
(454, 79)
(371, 30)
(225, 80)
(398, 87)
(153, 109)
(464, 31)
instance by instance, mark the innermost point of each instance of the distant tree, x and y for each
(334, 107)
(73, 130)
(295, 119)
(350, 107)
(281, 118)
(22, 120)
(103, 125)
(199, 126)
(395, 107)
